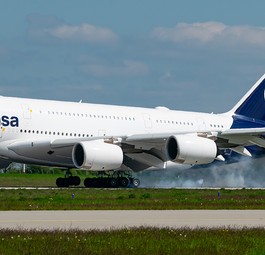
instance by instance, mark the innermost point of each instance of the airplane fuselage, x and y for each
(30, 120)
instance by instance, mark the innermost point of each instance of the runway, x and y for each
(113, 219)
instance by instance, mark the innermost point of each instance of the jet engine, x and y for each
(97, 156)
(189, 149)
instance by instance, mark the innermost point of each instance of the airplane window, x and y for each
(53, 133)
(74, 134)
(21, 130)
(73, 114)
(58, 133)
(37, 131)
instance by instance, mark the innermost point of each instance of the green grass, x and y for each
(31, 180)
(129, 199)
(105, 199)
(134, 241)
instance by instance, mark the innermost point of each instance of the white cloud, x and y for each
(209, 32)
(46, 28)
(82, 33)
(128, 68)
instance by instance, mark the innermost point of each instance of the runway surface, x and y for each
(131, 218)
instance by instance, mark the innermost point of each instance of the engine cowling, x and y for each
(189, 149)
(97, 156)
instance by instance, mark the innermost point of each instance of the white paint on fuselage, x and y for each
(51, 120)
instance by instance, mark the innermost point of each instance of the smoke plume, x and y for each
(248, 172)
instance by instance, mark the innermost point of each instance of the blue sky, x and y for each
(189, 55)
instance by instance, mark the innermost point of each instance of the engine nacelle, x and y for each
(188, 149)
(97, 156)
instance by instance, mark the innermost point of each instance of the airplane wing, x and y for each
(245, 136)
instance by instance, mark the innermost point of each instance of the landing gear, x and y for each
(68, 180)
(116, 180)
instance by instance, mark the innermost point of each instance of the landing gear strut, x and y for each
(116, 180)
(68, 180)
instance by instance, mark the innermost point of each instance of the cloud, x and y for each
(128, 68)
(209, 32)
(82, 33)
(47, 28)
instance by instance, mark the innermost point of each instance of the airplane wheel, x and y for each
(62, 182)
(96, 182)
(124, 182)
(135, 182)
(76, 180)
(88, 182)
(113, 182)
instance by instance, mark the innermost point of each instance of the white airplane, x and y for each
(114, 139)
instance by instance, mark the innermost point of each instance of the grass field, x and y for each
(129, 199)
(145, 199)
(134, 241)
(126, 241)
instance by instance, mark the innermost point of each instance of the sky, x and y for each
(187, 55)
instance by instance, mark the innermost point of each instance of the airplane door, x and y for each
(201, 125)
(101, 132)
(147, 121)
(26, 111)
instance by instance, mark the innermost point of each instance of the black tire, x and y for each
(88, 182)
(60, 182)
(113, 182)
(135, 182)
(124, 182)
(76, 180)
(96, 182)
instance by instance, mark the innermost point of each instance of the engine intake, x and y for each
(97, 156)
(188, 149)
